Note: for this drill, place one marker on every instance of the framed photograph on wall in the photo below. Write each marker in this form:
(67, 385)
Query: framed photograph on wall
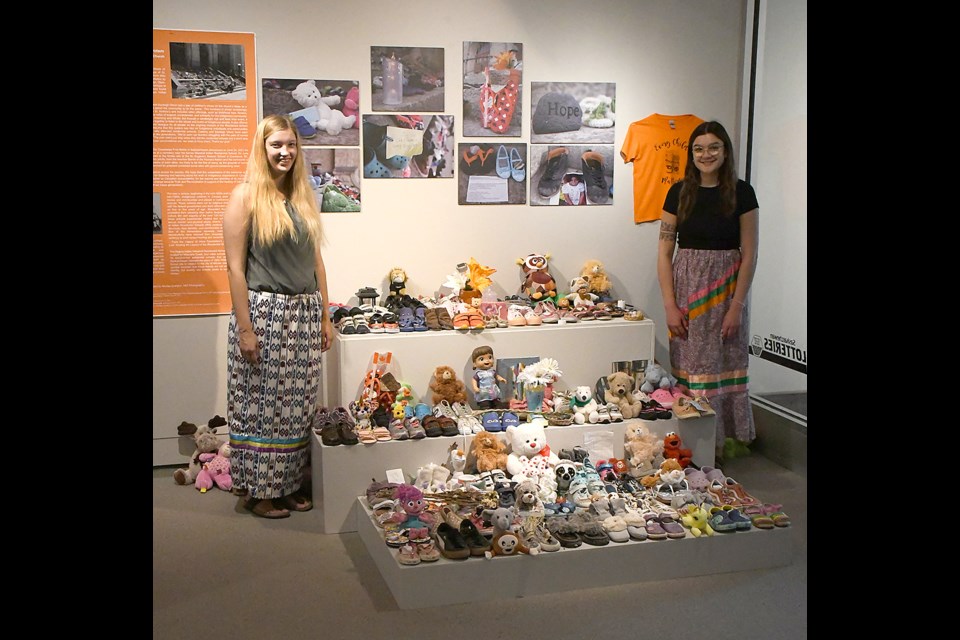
(492, 89)
(408, 145)
(571, 175)
(406, 79)
(573, 112)
(492, 173)
(335, 176)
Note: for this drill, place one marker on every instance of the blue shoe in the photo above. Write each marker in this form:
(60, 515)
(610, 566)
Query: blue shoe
(492, 422)
(305, 129)
(517, 166)
(510, 420)
(503, 162)
(374, 169)
(406, 320)
(421, 411)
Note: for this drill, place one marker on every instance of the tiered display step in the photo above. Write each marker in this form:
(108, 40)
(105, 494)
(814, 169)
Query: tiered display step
(342, 472)
(478, 579)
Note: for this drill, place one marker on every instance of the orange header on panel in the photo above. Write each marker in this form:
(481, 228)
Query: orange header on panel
(204, 116)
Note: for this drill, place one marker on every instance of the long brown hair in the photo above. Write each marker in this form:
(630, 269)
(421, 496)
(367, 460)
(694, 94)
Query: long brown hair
(727, 173)
(268, 215)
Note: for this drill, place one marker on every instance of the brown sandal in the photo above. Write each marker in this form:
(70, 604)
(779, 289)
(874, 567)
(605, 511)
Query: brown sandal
(266, 509)
(296, 501)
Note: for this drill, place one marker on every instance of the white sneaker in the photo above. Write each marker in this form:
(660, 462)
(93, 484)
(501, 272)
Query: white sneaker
(516, 316)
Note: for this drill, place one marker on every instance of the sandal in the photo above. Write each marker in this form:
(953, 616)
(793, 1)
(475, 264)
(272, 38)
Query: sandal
(382, 434)
(361, 325)
(406, 320)
(366, 435)
(296, 501)
(266, 509)
(420, 319)
(407, 554)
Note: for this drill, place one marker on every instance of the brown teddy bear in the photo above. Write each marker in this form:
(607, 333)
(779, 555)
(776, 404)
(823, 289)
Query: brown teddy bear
(487, 452)
(446, 386)
(620, 392)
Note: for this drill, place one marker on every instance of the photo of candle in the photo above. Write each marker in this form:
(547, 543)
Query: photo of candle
(392, 81)
(404, 78)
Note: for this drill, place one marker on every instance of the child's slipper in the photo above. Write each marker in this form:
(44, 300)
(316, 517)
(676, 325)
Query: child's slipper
(776, 514)
(757, 517)
(461, 322)
(367, 436)
(382, 434)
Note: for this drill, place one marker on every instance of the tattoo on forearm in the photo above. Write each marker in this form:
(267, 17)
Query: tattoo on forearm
(668, 232)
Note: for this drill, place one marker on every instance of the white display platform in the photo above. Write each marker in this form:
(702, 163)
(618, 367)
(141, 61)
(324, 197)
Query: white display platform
(584, 350)
(478, 579)
(341, 473)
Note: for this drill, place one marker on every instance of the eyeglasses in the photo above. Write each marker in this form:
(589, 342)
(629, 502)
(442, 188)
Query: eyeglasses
(712, 150)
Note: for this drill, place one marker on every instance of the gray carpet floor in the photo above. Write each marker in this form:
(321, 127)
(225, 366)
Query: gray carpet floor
(219, 571)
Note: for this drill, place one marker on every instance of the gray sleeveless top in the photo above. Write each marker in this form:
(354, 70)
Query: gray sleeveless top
(287, 266)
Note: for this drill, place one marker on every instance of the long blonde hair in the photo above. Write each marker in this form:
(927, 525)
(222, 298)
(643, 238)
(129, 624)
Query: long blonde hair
(268, 215)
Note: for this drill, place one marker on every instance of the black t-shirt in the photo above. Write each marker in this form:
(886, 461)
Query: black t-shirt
(706, 227)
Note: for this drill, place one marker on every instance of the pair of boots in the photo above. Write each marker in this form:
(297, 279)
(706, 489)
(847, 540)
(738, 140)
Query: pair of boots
(432, 478)
(437, 318)
(592, 166)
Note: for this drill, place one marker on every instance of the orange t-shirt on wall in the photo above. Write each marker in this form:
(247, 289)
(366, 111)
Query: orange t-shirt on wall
(657, 147)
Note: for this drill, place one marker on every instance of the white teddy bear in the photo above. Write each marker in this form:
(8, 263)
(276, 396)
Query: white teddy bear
(330, 120)
(584, 406)
(530, 457)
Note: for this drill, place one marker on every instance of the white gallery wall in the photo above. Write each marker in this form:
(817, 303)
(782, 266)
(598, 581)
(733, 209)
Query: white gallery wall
(667, 57)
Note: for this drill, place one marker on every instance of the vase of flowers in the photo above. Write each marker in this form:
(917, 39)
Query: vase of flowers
(535, 378)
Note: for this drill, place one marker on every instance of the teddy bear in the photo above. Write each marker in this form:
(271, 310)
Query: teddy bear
(538, 284)
(527, 498)
(673, 448)
(580, 295)
(487, 452)
(215, 470)
(583, 405)
(670, 474)
(207, 441)
(351, 105)
(620, 392)
(644, 448)
(595, 274)
(656, 377)
(530, 457)
(330, 120)
(446, 386)
(505, 540)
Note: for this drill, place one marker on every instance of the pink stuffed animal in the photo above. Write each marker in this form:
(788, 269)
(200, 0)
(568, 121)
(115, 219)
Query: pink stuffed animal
(215, 470)
(351, 105)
